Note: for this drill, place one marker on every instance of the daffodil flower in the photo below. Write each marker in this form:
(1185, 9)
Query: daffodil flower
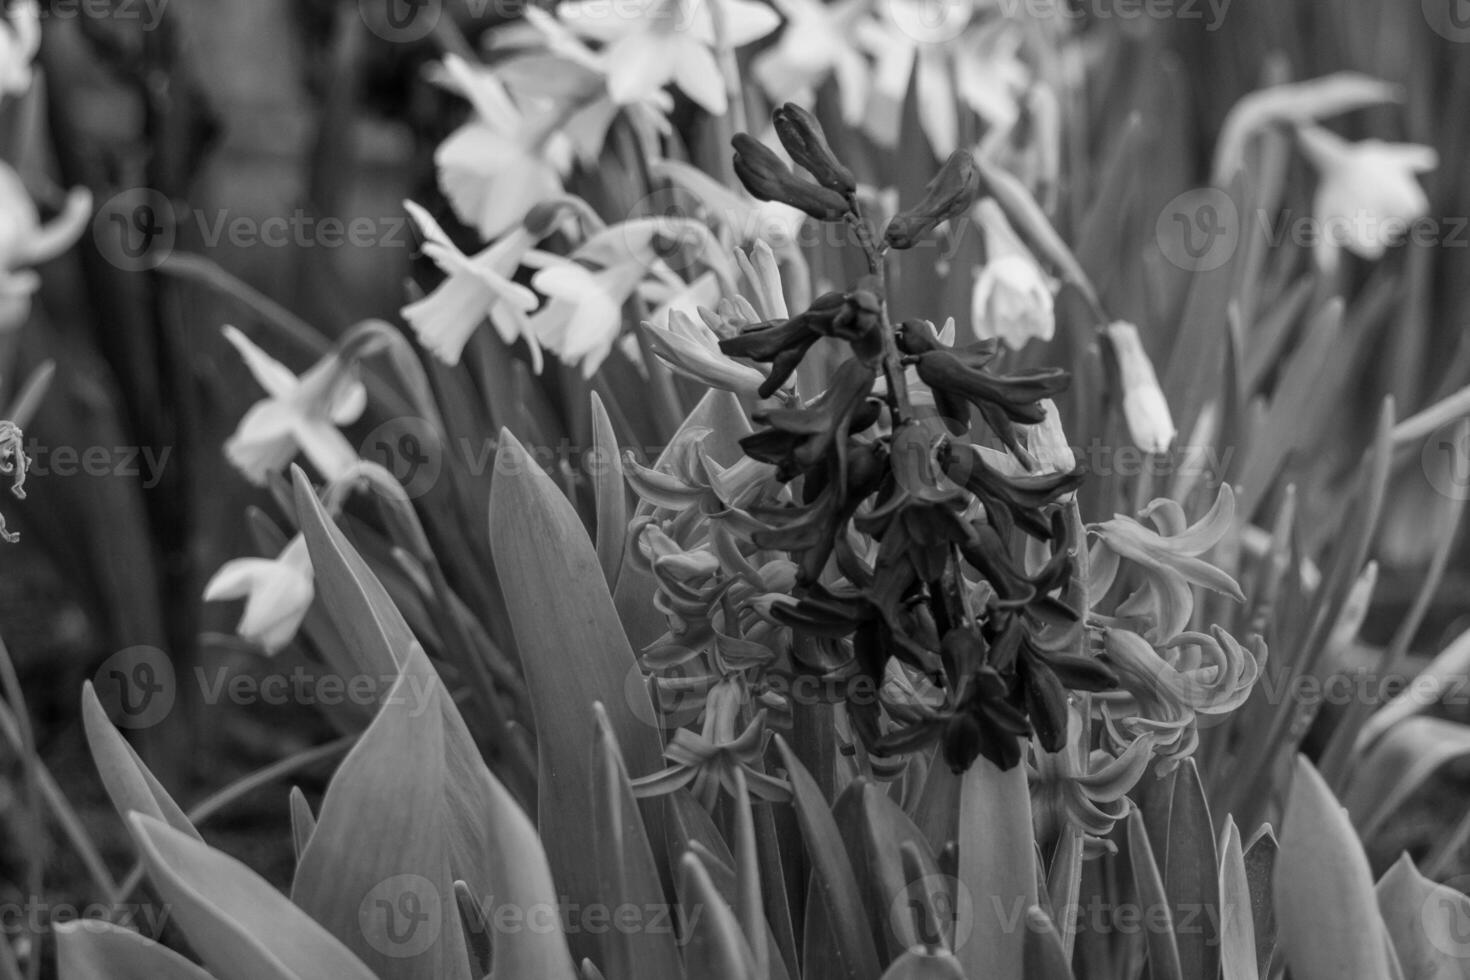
(476, 287)
(505, 160)
(667, 41)
(1012, 298)
(1168, 559)
(1150, 423)
(563, 72)
(1368, 194)
(297, 415)
(583, 317)
(1084, 789)
(818, 42)
(990, 75)
(277, 592)
(25, 242)
(20, 39)
(910, 47)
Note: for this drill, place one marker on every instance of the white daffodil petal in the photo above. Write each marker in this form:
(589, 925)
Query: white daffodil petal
(276, 607)
(237, 578)
(278, 380)
(325, 446)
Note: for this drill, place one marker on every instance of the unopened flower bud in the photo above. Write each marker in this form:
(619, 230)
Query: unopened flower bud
(948, 195)
(768, 178)
(803, 138)
(1150, 424)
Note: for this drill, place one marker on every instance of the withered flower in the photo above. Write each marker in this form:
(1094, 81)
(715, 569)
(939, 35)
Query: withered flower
(767, 178)
(947, 196)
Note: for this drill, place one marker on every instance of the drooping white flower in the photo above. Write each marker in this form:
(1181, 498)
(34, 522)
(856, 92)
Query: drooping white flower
(297, 415)
(505, 160)
(477, 287)
(25, 241)
(1367, 196)
(910, 46)
(1150, 423)
(552, 66)
(654, 43)
(1012, 297)
(20, 39)
(584, 316)
(819, 42)
(277, 592)
(990, 75)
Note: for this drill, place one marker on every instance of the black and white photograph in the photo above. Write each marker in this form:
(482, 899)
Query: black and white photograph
(734, 489)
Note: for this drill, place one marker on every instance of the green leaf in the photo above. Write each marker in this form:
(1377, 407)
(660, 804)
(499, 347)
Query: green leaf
(1260, 873)
(1191, 876)
(99, 950)
(997, 867)
(1329, 922)
(574, 653)
(876, 830)
(611, 495)
(376, 870)
(1399, 763)
(361, 608)
(836, 886)
(923, 963)
(1442, 675)
(242, 928)
(129, 783)
(1064, 884)
(627, 872)
(303, 821)
(493, 846)
(716, 948)
(1428, 923)
(1163, 952)
(1238, 960)
(1045, 956)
